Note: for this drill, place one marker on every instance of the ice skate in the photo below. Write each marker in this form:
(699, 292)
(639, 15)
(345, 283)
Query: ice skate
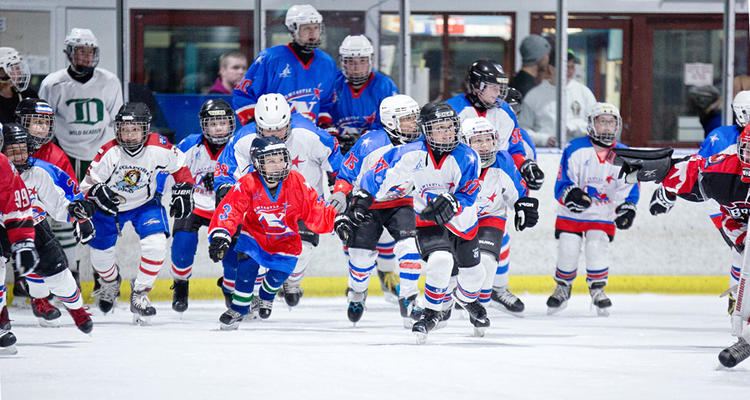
(427, 322)
(599, 299)
(230, 320)
(389, 282)
(7, 342)
(180, 289)
(47, 314)
(4, 319)
(141, 307)
(356, 305)
(477, 316)
(505, 301)
(735, 353)
(446, 313)
(227, 295)
(82, 319)
(559, 299)
(106, 294)
(410, 310)
(264, 308)
(291, 292)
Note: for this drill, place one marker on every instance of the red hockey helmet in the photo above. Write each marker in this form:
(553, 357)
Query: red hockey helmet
(743, 153)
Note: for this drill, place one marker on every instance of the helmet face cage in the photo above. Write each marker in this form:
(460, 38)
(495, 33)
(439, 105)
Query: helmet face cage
(303, 14)
(741, 113)
(15, 145)
(218, 130)
(743, 148)
(605, 138)
(16, 69)
(71, 51)
(40, 128)
(433, 127)
(283, 137)
(261, 158)
(359, 77)
(477, 132)
(123, 129)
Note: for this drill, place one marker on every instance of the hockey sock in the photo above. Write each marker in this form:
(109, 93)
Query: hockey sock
(262, 271)
(303, 261)
(103, 262)
(63, 232)
(37, 287)
(470, 280)
(597, 243)
(489, 263)
(501, 273)
(409, 266)
(3, 288)
(568, 248)
(152, 257)
(386, 260)
(361, 264)
(437, 277)
(229, 264)
(448, 298)
(184, 245)
(247, 270)
(272, 283)
(63, 285)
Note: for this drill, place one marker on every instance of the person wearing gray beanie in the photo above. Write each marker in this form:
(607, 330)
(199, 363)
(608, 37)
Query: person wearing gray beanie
(535, 58)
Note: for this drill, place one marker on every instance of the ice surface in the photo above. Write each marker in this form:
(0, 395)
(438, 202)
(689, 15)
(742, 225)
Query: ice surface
(652, 346)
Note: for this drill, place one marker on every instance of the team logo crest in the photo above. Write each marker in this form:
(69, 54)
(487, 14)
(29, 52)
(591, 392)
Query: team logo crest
(287, 72)
(131, 181)
(272, 221)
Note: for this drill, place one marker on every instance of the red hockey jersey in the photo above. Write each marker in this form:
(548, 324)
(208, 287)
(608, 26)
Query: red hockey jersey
(15, 203)
(272, 221)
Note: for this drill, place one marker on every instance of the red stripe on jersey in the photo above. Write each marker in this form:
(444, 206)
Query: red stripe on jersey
(492, 222)
(104, 149)
(568, 225)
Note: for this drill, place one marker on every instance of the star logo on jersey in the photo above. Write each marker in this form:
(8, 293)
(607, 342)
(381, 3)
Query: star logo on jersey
(370, 119)
(296, 162)
(492, 198)
(610, 179)
(317, 91)
(287, 72)
(714, 138)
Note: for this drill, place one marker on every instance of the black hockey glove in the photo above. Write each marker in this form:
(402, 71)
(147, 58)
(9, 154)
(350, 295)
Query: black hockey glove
(83, 230)
(219, 244)
(81, 209)
(222, 191)
(661, 201)
(182, 200)
(527, 212)
(532, 174)
(359, 209)
(576, 199)
(25, 255)
(208, 181)
(344, 227)
(625, 215)
(440, 209)
(105, 198)
(338, 201)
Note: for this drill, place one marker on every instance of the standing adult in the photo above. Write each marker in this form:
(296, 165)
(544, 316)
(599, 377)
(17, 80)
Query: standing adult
(232, 66)
(535, 58)
(14, 83)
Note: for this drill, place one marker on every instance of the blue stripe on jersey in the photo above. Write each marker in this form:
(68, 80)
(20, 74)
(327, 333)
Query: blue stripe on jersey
(504, 161)
(351, 168)
(59, 177)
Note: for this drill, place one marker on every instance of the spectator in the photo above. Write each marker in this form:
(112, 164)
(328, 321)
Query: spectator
(705, 101)
(232, 66)
(535, 58)
(538, 110)
(14, 82)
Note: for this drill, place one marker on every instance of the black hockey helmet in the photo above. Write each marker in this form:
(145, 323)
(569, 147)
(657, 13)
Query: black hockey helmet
(262, 149)
(37, 117)
(133, 118)
(435, 120)
(514, 98)
(217, 121)
(484, 72)
(15, 145)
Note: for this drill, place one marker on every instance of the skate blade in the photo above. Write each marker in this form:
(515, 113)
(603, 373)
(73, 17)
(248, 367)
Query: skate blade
(230, 327)
(602, 312)
(420, 337)
(9, 351)
(479, 332)
(390, 298)
(408, 323)
(500, 307)
(555, 310)
(440, 325)
(45, 323)
(141, 320)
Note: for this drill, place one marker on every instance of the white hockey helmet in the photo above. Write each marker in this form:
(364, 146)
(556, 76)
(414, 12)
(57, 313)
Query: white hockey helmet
(607, 136)
(399, 115)
(272, 113)
(301, 14)
(741, 107)
(15, 68)
(353, 47)
(481, 136)
(77, 38)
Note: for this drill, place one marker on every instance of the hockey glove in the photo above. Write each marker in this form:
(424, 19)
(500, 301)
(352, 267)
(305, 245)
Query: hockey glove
(532, 174)
(25, 255)
(83, 230)
(81, 209)
(344, 228)
(338, 201)
(359, 210)
(440, 209)
(208, 181)
(105, 198)
(576, 199)
(222, 191)
(661, 201)
(182, 200)
(219, 245)
(625, 215)
(527, 212)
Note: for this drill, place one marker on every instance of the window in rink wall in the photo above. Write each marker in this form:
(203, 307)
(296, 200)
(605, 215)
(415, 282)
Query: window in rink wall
(177, 51)
(338, 25)
(442, 48)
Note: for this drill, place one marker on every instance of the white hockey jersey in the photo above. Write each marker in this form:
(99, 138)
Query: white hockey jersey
(50, 189)
(501, 186)
(312, 152)
(83, 111)
(134, 178)
(596, 175)
(411, 169)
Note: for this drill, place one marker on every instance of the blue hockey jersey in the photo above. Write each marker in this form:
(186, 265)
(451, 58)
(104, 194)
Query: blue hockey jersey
(721, 140)
(306, 87)
(353, 114)
(51, 190)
